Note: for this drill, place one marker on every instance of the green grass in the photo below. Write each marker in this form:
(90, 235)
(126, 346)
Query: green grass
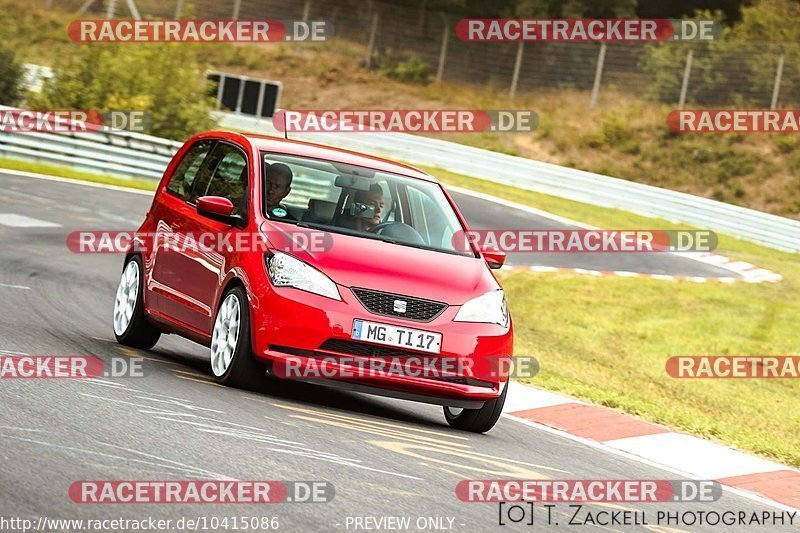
(606, 339)
(66, 172)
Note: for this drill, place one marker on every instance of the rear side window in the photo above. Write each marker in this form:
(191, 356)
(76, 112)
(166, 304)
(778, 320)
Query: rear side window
(183, 179)
(230, 177)
(224, 173)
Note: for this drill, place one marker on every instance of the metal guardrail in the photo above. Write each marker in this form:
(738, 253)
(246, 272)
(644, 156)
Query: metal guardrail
(120, 153)
(135, 155)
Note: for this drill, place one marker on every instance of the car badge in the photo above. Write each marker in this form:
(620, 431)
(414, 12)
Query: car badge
(399, 306)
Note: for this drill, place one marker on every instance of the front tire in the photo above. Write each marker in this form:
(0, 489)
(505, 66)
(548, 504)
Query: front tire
(477, 420)
(131, 327)
(232, 361)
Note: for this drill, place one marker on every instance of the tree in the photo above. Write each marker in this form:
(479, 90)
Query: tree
(165, 80)
(10, 77)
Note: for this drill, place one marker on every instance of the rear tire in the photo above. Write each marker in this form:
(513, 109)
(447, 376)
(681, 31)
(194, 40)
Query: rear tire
(131, 327)
(232, 361)
(477, 420)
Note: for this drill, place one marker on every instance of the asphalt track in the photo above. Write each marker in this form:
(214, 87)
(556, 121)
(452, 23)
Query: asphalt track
(385, 457)
(482, 214)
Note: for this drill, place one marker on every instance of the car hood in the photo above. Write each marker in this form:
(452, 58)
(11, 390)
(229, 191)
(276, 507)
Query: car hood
(363, 262)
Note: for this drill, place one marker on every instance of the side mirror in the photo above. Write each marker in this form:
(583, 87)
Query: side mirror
(217, 208)
(494, 258)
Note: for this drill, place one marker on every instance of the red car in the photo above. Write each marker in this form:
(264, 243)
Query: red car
(309, 262)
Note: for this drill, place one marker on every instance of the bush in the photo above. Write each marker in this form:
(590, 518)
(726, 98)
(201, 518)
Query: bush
(165, 80)
(405, 68)
(10, 77)
(614, 131)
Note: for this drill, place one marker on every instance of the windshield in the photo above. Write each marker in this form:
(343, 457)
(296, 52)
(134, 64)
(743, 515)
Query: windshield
(359, 201)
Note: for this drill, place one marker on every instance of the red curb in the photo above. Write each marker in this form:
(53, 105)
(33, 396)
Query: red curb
(590, 421)
(783, 486)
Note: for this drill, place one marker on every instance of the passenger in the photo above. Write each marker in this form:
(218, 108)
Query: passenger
(278, 185)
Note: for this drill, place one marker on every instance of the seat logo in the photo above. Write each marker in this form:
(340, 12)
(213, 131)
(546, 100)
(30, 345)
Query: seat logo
(399, 306)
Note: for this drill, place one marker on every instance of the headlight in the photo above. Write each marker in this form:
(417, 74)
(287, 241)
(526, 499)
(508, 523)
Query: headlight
(287, 271)
(490, 308)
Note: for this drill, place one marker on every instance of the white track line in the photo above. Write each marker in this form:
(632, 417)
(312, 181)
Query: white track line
(13, 220)
(9, 286)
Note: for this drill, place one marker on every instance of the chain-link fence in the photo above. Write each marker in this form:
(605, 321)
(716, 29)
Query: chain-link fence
(421, 45)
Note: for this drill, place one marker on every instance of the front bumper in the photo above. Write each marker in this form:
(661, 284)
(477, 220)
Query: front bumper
(294, 329)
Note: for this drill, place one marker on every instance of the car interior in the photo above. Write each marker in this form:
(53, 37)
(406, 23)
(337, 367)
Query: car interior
(326, 193)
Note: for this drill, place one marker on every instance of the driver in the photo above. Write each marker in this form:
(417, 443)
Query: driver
(278, 185)
(373, 197)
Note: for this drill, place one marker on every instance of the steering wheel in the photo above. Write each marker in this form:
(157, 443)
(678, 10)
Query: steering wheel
(378, 227)
(400, 231)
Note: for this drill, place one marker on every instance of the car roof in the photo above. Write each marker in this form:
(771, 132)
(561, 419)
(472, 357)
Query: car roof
(268, 143)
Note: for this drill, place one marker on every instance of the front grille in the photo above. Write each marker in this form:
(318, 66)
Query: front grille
(383, 303)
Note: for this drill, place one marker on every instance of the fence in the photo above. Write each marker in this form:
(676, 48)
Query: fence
(720, 73)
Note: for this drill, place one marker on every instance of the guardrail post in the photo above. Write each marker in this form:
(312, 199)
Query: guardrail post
(373, 30)
(443, 51)
(687, 71)
(598, 74)
(776, 89)
(178, 9)
(517, 66)
(237, 5)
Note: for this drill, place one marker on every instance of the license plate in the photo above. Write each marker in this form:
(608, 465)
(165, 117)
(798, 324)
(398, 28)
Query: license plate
(415, 339)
